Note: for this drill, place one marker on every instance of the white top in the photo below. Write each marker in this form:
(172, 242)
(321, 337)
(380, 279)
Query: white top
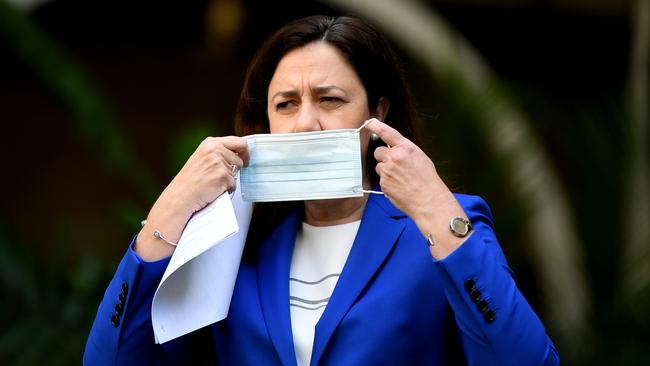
(318, 258)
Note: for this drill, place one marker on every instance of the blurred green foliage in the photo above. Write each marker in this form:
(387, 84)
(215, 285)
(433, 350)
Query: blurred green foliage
(188, 140)
(68, 82)
(45, 311)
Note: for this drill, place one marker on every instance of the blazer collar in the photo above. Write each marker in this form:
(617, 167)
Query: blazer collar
(273, 281)
(378, 232)
(375, 239)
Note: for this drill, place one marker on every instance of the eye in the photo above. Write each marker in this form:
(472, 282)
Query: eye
(283, 106)
(331, 101)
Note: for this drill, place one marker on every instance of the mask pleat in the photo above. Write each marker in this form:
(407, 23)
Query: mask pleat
(302, 166)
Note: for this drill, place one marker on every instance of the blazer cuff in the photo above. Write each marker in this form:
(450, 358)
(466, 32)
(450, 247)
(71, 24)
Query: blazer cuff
(123, 320)
(489, 309)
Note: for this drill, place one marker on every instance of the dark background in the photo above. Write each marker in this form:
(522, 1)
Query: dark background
(102, 102)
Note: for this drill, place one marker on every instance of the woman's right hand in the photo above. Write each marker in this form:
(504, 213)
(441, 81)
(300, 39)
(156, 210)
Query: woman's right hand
(208, 173)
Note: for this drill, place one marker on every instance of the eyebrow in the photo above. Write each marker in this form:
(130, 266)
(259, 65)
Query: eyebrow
(316, 90)
(286, 94)
(326, 88)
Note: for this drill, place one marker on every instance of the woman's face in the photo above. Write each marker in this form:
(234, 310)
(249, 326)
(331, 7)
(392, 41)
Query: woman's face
(314, 88)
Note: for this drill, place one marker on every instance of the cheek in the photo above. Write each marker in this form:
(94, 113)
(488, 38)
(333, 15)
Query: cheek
(279, 125)
(349, 116)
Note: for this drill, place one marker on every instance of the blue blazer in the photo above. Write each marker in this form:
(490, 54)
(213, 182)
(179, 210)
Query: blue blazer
(393, 304)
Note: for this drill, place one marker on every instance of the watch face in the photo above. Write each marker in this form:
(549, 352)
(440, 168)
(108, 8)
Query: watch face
(459, 226)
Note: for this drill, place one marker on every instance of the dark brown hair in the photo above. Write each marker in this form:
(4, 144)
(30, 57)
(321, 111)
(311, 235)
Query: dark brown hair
(369, 54)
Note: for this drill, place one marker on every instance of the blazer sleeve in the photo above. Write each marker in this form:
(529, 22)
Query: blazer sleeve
(122, 333)
(497, 325)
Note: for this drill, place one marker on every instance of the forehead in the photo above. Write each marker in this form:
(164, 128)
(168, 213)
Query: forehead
(314, 64)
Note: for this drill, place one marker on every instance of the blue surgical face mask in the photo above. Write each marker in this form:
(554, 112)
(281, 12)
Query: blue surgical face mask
(303, 166)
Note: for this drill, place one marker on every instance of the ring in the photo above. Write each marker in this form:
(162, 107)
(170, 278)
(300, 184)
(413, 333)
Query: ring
(234, 171)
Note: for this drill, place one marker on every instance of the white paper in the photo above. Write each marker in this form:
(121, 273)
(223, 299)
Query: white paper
(197, 286)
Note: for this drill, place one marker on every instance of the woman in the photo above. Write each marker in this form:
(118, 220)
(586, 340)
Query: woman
(398, 278)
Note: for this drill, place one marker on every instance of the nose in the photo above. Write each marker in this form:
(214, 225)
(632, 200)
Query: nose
(307, 119)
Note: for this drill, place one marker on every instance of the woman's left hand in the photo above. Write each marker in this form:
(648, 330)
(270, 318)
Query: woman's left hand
(408, 177)
(410, 181)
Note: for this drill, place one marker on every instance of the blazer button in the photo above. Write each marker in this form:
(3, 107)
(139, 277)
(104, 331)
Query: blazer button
(115, 320)
(482, 306)
(475, 295)
(119, 308)
(469, 285)
(122, 298)
(489, 316)
(125, 288)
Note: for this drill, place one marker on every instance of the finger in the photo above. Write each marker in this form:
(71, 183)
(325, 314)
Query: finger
(381, 153)
(379, 168)
(231, 158)
(386, 133)
(238, 146)
(234, 143)
(232, 185)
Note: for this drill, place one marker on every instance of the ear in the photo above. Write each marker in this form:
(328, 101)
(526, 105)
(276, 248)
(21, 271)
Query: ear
(382, 109)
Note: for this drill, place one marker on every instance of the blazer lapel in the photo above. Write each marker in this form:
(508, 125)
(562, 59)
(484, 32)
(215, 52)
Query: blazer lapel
(377, 235)
(273, 282)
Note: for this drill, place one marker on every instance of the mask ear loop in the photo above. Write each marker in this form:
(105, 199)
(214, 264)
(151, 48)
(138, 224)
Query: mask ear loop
(360, 189)
(374, 136)
(368, 191)
(363, 125)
